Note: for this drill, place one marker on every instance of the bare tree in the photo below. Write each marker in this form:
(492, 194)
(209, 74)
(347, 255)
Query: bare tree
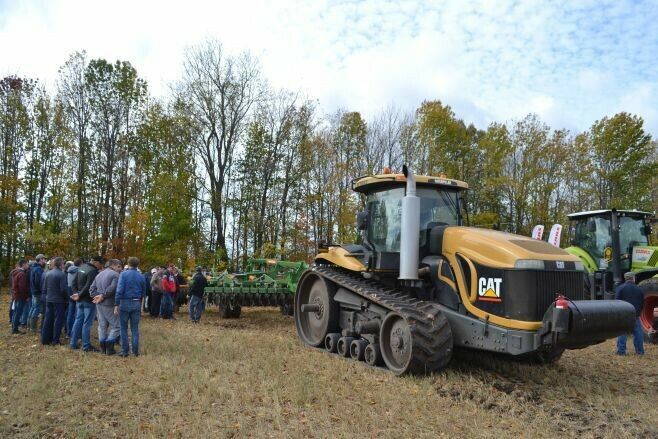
(72, 93)
(221, 91)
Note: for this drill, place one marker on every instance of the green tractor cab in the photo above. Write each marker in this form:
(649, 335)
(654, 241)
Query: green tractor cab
(613, 242)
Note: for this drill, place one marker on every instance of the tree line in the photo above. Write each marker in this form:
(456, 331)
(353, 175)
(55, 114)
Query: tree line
(226, 167)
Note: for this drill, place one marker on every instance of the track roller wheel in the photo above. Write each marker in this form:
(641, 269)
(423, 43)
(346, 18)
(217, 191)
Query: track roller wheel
(357, 349)
(419, 347)
(373, 355)
(331, 342)
(343, 346)
(316, 312)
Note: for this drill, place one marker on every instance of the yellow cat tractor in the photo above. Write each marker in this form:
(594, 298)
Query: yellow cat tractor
(421, 284)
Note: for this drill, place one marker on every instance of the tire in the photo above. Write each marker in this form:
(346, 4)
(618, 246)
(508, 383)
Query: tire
(229, 312)
(650, 289)
(313, 327)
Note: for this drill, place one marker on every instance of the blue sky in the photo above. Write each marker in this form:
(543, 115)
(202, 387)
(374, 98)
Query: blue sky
(570, 62)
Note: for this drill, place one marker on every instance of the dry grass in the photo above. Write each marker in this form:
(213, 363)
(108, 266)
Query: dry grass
(252, 378)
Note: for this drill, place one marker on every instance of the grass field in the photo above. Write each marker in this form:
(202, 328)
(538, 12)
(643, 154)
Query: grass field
(252, 378)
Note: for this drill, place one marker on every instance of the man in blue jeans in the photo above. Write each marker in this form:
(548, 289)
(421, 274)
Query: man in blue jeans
(128, 300)
(56, 291)
(631, 293)
(20, 291)
(196, 304)
(85, 311)
(36, 272)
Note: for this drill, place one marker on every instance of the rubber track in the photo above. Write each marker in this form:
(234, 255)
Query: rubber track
(430, 330)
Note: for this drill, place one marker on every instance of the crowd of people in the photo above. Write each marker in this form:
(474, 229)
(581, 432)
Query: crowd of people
(70, 296)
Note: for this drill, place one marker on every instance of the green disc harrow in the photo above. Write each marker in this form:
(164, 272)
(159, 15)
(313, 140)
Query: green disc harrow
(265, 282)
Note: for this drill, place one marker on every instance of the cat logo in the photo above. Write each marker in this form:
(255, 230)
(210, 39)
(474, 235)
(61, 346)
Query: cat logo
(489, 289)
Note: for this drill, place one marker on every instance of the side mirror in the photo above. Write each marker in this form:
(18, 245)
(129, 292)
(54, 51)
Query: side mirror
(362, 220)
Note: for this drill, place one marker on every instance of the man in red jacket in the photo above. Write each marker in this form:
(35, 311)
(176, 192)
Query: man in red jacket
(20, 291)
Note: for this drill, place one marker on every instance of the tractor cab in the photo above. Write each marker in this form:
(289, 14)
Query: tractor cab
(592, 232)
(439, 204)
(611, 243)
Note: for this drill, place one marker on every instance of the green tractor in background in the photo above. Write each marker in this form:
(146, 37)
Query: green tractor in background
(611, 243)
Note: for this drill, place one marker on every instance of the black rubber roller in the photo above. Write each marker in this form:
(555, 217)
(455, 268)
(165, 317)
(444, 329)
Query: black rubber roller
(331, 342)
(344, 346)
(373, 355)
(358, 349)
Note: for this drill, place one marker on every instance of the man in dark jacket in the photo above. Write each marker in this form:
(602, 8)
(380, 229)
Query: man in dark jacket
(85, 311)
(36, 272)
(631, 293)
(57, 298)
(20, 291)
(196, 304)
(128, 299)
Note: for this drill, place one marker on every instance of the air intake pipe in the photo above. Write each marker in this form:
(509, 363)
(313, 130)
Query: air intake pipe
(410, 229)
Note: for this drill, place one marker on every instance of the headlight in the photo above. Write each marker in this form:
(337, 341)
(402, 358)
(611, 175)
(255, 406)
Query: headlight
(529, 264)
(579, 265)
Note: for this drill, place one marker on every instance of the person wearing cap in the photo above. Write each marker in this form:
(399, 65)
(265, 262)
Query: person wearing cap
(631, 293)
(55, 290)
(20, 291)
(85, 309)
(128, 303)
(36, 273)
(196, 304)
(102, 291)
(156, 292)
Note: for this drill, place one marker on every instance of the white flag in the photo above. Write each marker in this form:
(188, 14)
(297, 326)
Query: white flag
(554, 236)
(538, 232)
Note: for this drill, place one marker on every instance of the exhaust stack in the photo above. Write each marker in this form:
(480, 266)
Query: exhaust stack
(409, 229)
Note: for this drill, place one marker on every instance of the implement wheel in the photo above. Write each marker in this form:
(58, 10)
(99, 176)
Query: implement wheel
(316, 312)
(229, 311)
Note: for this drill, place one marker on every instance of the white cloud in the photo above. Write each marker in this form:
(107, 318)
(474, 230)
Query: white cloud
(570, 63)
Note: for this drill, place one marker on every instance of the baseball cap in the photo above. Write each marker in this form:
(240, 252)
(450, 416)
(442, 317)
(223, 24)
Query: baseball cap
(629, 275)
(40, 256)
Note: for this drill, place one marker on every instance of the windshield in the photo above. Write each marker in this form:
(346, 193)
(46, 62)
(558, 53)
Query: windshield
(593, 235)
(437, 207)
(632, 232)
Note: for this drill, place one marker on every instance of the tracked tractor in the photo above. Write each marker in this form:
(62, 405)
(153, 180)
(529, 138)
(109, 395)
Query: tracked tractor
(421, 284)
(610, 243)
